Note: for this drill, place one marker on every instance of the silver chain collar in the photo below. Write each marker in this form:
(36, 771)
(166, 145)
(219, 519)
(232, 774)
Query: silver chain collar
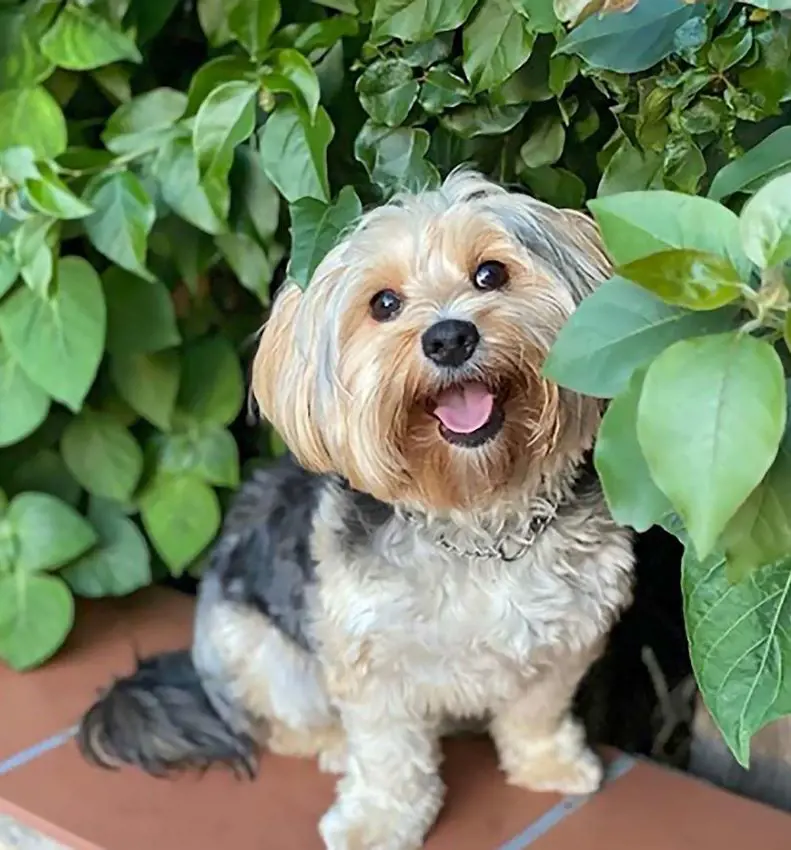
(510, 548)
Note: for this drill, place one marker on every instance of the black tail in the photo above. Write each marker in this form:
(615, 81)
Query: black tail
(160, 719)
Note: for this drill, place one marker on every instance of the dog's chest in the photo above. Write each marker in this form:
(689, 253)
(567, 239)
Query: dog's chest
(458, 634)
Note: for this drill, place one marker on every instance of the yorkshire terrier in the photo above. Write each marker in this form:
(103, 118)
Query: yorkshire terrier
(432, 551)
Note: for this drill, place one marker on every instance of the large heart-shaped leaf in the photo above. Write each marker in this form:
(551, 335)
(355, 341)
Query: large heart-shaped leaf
(36, 616)
(212, 386)
(58, 340)
(102, 455)
(122, 220)
(119, 564)
(703, 452)
(48, 532)
(181, 515)
(149, 384)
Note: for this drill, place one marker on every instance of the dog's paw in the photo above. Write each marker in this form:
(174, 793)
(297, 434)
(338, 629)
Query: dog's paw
(365, 830)
(581, 775)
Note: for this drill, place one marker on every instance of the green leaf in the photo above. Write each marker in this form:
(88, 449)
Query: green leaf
(122, 219)
(637, 224)
(9, 269)
(470, 122)
(207, 452)
(696, 280)
(36, 616)
(80, 40)
(221, 69)
(441, 90)
(149, 384)
(387, 91)
(556, 186)
(252, 22)
(32, 119)
(619, 329)
(225, 119)
(544, 145)
(632, 496)
(740, 646)
(418, 20)
(633, 42)
(25, 405)
(396, 159)
(204, 204)
(293, 74)
(316, 228)
(114, 81)
(766, 223)
(213, 16)
(133, 304)
(21, 60)
(294, 153)
(59, 340)
(145, 123)
(703, 452)
(767, 159)
(630, 169)
(119, 565)
(760, 531)
(102, 455)
(259, 197)
(181, 516)
(496, 44)
(50, 196)
(49, 533)
(212, 387)
(248, 261)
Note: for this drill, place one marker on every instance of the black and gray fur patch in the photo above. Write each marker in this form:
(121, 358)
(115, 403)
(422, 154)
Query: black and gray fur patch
(263, 557)
(363, 516)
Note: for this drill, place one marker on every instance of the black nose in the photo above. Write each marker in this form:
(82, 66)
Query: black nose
(450, 342)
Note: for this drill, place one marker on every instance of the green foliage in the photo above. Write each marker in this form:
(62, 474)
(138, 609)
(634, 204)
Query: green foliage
(158, 159)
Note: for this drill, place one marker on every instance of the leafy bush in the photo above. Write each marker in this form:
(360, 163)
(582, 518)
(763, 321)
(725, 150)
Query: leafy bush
(157, 157)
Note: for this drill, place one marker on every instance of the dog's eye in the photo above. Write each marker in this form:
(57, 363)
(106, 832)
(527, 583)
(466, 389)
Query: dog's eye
(490, 275)
(385, 305)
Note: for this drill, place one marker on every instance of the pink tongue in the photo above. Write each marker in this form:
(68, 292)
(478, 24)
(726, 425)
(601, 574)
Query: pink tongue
(464, 409)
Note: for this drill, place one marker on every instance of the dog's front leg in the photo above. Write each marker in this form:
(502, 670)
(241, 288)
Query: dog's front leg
(541, 745)
(392, 792)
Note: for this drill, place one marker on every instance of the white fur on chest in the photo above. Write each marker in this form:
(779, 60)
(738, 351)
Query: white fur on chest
(461, 634)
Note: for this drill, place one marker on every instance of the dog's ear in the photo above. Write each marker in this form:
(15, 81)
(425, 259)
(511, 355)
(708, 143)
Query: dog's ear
(284, 377)
(566, 240)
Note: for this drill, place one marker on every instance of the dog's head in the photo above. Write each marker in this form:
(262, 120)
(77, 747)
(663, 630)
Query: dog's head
(411, 365)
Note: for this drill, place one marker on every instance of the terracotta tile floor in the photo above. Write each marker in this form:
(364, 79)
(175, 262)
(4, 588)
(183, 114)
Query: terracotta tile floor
(45, 786)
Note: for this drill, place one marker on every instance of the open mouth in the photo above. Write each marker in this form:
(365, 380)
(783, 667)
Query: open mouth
(469, 414)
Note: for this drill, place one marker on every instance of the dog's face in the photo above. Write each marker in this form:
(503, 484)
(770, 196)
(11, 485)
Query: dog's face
(412, 363)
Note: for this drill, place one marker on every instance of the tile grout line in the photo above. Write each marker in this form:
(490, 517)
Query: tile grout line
(27, 755)
(567, 806)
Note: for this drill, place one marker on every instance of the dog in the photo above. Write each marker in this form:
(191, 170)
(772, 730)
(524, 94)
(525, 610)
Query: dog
(433, 550)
